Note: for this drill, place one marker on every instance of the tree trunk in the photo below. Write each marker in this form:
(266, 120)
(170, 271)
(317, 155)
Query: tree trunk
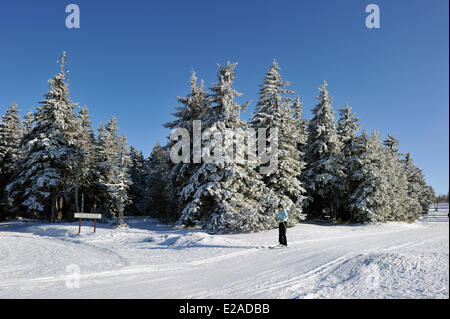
(60, 206)
(52, 217)
(76, 193)
(120, 210)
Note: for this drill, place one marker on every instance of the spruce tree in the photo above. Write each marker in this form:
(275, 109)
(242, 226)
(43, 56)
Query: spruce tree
(28, 122)
(429, 199)
(11, 132)
(301, 135)
(275, 110)
(194, 107)
(347, 128)
(137, 189)
(113, 163)
(122, 180)
(84, 160)
(399, 203)
(105, 150)
(155, 196)
(369, 194)
(47, 157)
(324, 172)
(223, 195)
(418, 190)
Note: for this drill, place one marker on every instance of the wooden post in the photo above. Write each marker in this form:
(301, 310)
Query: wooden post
(88, 216)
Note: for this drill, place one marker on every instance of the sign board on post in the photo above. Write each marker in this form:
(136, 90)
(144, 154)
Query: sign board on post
(87, 216)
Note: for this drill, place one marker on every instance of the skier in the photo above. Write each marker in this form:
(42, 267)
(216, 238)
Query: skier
(282, 218)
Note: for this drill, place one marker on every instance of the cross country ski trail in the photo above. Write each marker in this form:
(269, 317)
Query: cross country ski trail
(151, 260)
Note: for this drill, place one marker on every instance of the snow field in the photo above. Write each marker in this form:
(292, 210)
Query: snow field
(152, 260)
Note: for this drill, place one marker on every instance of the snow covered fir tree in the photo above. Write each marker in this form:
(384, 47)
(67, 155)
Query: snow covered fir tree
(53, 163)
(277, 111)
(225, 195)
(324, 176)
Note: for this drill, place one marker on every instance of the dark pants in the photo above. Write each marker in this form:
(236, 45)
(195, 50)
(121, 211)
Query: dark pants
(282, 233)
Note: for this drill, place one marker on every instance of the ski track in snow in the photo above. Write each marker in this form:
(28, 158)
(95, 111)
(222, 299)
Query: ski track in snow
(319, 273)
(150, 260)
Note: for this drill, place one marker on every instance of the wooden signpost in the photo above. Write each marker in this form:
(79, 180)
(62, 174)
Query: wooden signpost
(87, 216)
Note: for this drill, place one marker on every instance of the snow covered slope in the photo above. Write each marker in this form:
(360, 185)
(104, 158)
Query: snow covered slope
(151, 260)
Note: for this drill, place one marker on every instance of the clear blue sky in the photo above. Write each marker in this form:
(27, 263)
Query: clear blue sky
(130, 59)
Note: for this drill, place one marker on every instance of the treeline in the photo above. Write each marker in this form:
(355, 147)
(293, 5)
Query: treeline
(325, 169)
(52, 164)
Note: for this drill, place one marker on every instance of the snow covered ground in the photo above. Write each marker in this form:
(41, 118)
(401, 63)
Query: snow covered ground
(152, 260)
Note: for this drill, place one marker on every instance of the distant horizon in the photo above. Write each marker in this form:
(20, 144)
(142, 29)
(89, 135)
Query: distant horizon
(131, 61)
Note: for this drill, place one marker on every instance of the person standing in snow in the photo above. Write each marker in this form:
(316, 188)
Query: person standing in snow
(282, 219)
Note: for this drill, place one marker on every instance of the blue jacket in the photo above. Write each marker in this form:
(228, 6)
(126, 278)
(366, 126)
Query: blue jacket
(282, 215)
